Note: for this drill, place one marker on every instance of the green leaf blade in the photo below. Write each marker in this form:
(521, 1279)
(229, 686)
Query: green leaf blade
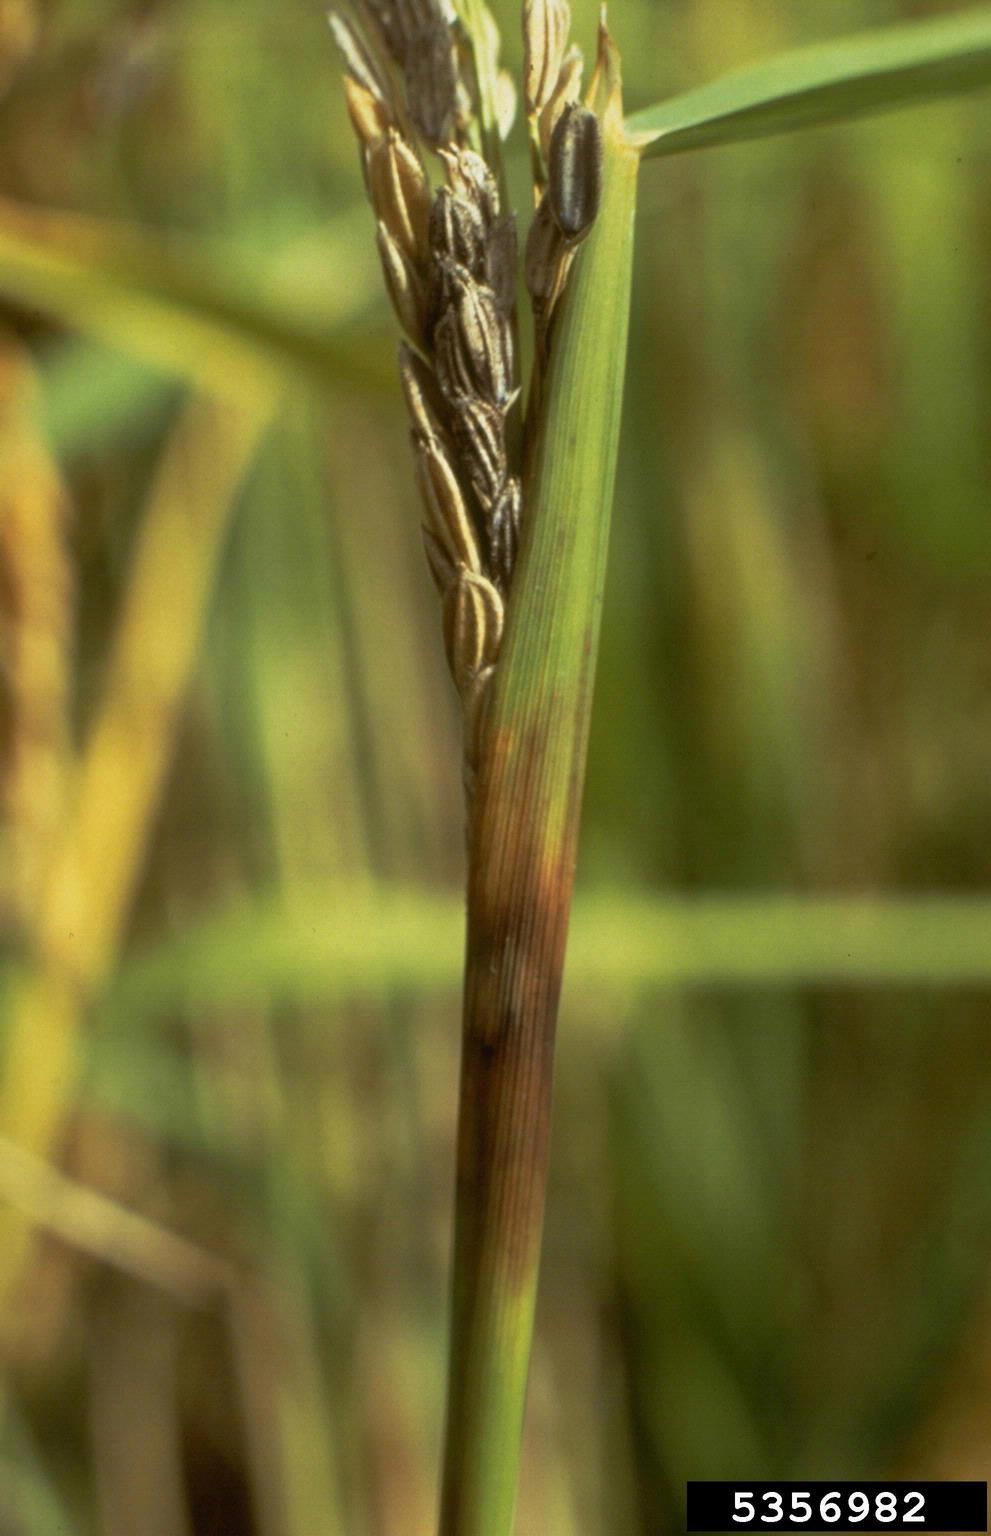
(877, 71)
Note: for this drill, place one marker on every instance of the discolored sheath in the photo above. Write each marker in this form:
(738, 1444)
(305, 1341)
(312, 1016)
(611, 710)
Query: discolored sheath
(522, 858)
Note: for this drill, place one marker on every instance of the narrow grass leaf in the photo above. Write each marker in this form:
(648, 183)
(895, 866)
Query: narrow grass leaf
(115, 788)
(177, 308)
(333, 944)
(829, 83)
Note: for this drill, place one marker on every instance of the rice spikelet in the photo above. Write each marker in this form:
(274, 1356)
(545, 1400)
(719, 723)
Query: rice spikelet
(450, 263)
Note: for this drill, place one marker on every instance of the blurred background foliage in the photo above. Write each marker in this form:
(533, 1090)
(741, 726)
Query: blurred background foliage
(232, 844)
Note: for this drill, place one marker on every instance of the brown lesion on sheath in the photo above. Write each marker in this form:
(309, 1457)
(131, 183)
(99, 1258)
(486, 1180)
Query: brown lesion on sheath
(519, 904)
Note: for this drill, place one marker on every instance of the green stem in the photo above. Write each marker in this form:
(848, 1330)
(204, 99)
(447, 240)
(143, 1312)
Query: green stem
(527, 808)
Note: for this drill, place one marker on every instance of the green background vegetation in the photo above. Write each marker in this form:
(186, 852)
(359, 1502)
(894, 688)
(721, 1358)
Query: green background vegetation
(769, 1221)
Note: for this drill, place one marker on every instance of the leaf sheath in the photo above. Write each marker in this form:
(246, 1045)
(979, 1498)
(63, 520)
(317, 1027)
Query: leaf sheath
(522, 864)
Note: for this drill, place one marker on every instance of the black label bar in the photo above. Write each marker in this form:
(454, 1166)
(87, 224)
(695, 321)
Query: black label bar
(824, 1507)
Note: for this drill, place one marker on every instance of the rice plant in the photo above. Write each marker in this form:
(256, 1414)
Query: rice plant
(516, 498)
(226, 1061)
